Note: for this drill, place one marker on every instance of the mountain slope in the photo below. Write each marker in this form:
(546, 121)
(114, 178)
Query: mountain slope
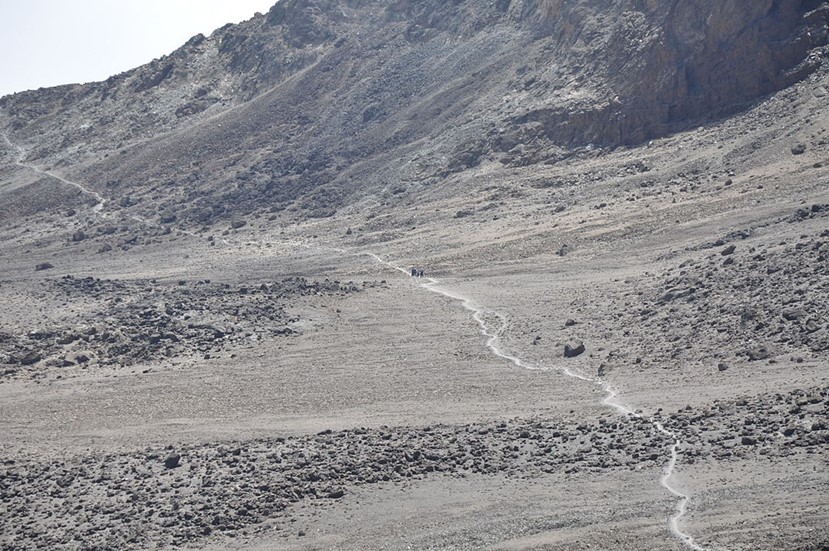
(316, 104)
(209, 336)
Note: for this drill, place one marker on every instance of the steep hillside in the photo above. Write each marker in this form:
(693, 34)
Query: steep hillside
(318, 104)
(211, 335)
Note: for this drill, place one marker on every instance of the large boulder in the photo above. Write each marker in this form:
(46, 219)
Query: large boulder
(172, 461)
(573, 348)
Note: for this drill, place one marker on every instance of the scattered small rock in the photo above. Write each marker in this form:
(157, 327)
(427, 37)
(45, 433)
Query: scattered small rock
(792, 314)
(759, 352)
(31, 358)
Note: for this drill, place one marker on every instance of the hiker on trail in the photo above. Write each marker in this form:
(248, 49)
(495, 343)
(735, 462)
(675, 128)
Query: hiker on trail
(414, 271)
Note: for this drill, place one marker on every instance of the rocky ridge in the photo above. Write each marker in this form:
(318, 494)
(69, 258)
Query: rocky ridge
(746, 299)
(142, 322)
(188, 494)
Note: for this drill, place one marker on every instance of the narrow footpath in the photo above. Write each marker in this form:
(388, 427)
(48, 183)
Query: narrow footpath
(21, 156)
(493, 343)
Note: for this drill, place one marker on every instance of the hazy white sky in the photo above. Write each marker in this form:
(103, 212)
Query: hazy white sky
(51, 42)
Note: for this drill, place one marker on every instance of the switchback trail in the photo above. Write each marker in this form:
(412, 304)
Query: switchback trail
(97, 208)
(493, 342)
(21, 155)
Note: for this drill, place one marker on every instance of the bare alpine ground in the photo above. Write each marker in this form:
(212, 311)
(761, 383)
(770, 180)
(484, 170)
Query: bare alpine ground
(206, 340)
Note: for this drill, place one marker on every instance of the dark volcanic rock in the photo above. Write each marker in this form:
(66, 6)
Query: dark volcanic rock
(769, 301)
(30, 358)
(172, 461)
(43, 266)
(235, 486)
(792, 314)
(573, 349)
(154, 320)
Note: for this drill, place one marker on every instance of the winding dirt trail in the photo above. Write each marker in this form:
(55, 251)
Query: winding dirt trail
(99, 206)
(493, 342)
(21, 155)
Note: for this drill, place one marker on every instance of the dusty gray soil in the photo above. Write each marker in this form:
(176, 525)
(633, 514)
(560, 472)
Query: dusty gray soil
(264, 379)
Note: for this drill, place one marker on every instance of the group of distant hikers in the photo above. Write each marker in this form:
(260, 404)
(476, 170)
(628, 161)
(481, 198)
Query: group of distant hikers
(418, 271)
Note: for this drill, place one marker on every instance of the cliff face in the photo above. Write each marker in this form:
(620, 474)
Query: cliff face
(315, 92)
(653, 65)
